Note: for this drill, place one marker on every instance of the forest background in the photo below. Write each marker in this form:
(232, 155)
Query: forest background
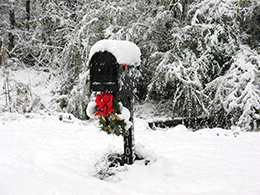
(200, 59)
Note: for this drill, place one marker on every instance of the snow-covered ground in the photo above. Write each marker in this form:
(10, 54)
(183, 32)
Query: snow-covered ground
(41, 155)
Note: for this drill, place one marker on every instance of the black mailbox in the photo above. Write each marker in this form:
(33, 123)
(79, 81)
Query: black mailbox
(103, 72)
(111, 70)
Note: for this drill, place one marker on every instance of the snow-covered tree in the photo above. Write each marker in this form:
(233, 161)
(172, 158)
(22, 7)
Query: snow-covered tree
(238, 91)
(195, 54)
(201, 53)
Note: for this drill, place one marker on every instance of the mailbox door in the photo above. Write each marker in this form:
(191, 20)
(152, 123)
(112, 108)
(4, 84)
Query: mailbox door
(104, 72)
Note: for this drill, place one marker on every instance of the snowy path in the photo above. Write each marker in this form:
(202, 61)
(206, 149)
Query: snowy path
(43, 156)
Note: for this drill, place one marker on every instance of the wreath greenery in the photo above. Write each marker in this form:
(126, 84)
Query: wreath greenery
(108, 109)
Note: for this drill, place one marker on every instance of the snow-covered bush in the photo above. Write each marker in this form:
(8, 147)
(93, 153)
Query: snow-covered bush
(204, 52)
(79, 97)
(16, 95)
(198, 53)
(249, 18)
(238, 91)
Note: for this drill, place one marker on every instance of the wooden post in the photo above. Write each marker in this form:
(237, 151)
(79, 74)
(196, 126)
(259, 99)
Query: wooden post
(126, 98)
(125, 95)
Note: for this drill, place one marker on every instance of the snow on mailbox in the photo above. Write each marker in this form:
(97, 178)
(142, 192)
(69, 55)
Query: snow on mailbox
(107, 58)
(112, 72)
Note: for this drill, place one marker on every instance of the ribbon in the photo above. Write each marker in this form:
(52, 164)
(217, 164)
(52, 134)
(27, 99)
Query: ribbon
(104, 101)
(116, 117)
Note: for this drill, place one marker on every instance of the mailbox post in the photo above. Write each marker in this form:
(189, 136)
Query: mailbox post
(111, 64)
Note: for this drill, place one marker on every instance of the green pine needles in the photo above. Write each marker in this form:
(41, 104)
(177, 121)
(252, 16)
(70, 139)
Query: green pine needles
(113, 124)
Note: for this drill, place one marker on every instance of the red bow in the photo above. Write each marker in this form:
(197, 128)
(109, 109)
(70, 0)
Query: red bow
(104, 103)
(124, 65)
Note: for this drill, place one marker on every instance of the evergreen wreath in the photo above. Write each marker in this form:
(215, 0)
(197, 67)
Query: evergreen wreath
(108, 109)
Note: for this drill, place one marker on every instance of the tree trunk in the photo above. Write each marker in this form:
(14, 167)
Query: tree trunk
(1, 54)
(12, 24)
(184, 8)
(27, 14)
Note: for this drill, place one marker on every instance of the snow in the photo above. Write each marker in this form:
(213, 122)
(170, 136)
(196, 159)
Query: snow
(125, 52)
(125, 115)
(42, 155)
(59, 154)
(91, 109)
(39, 84)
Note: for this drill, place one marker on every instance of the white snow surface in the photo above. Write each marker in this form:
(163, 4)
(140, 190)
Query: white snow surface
(42, 155)
(124, 51)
